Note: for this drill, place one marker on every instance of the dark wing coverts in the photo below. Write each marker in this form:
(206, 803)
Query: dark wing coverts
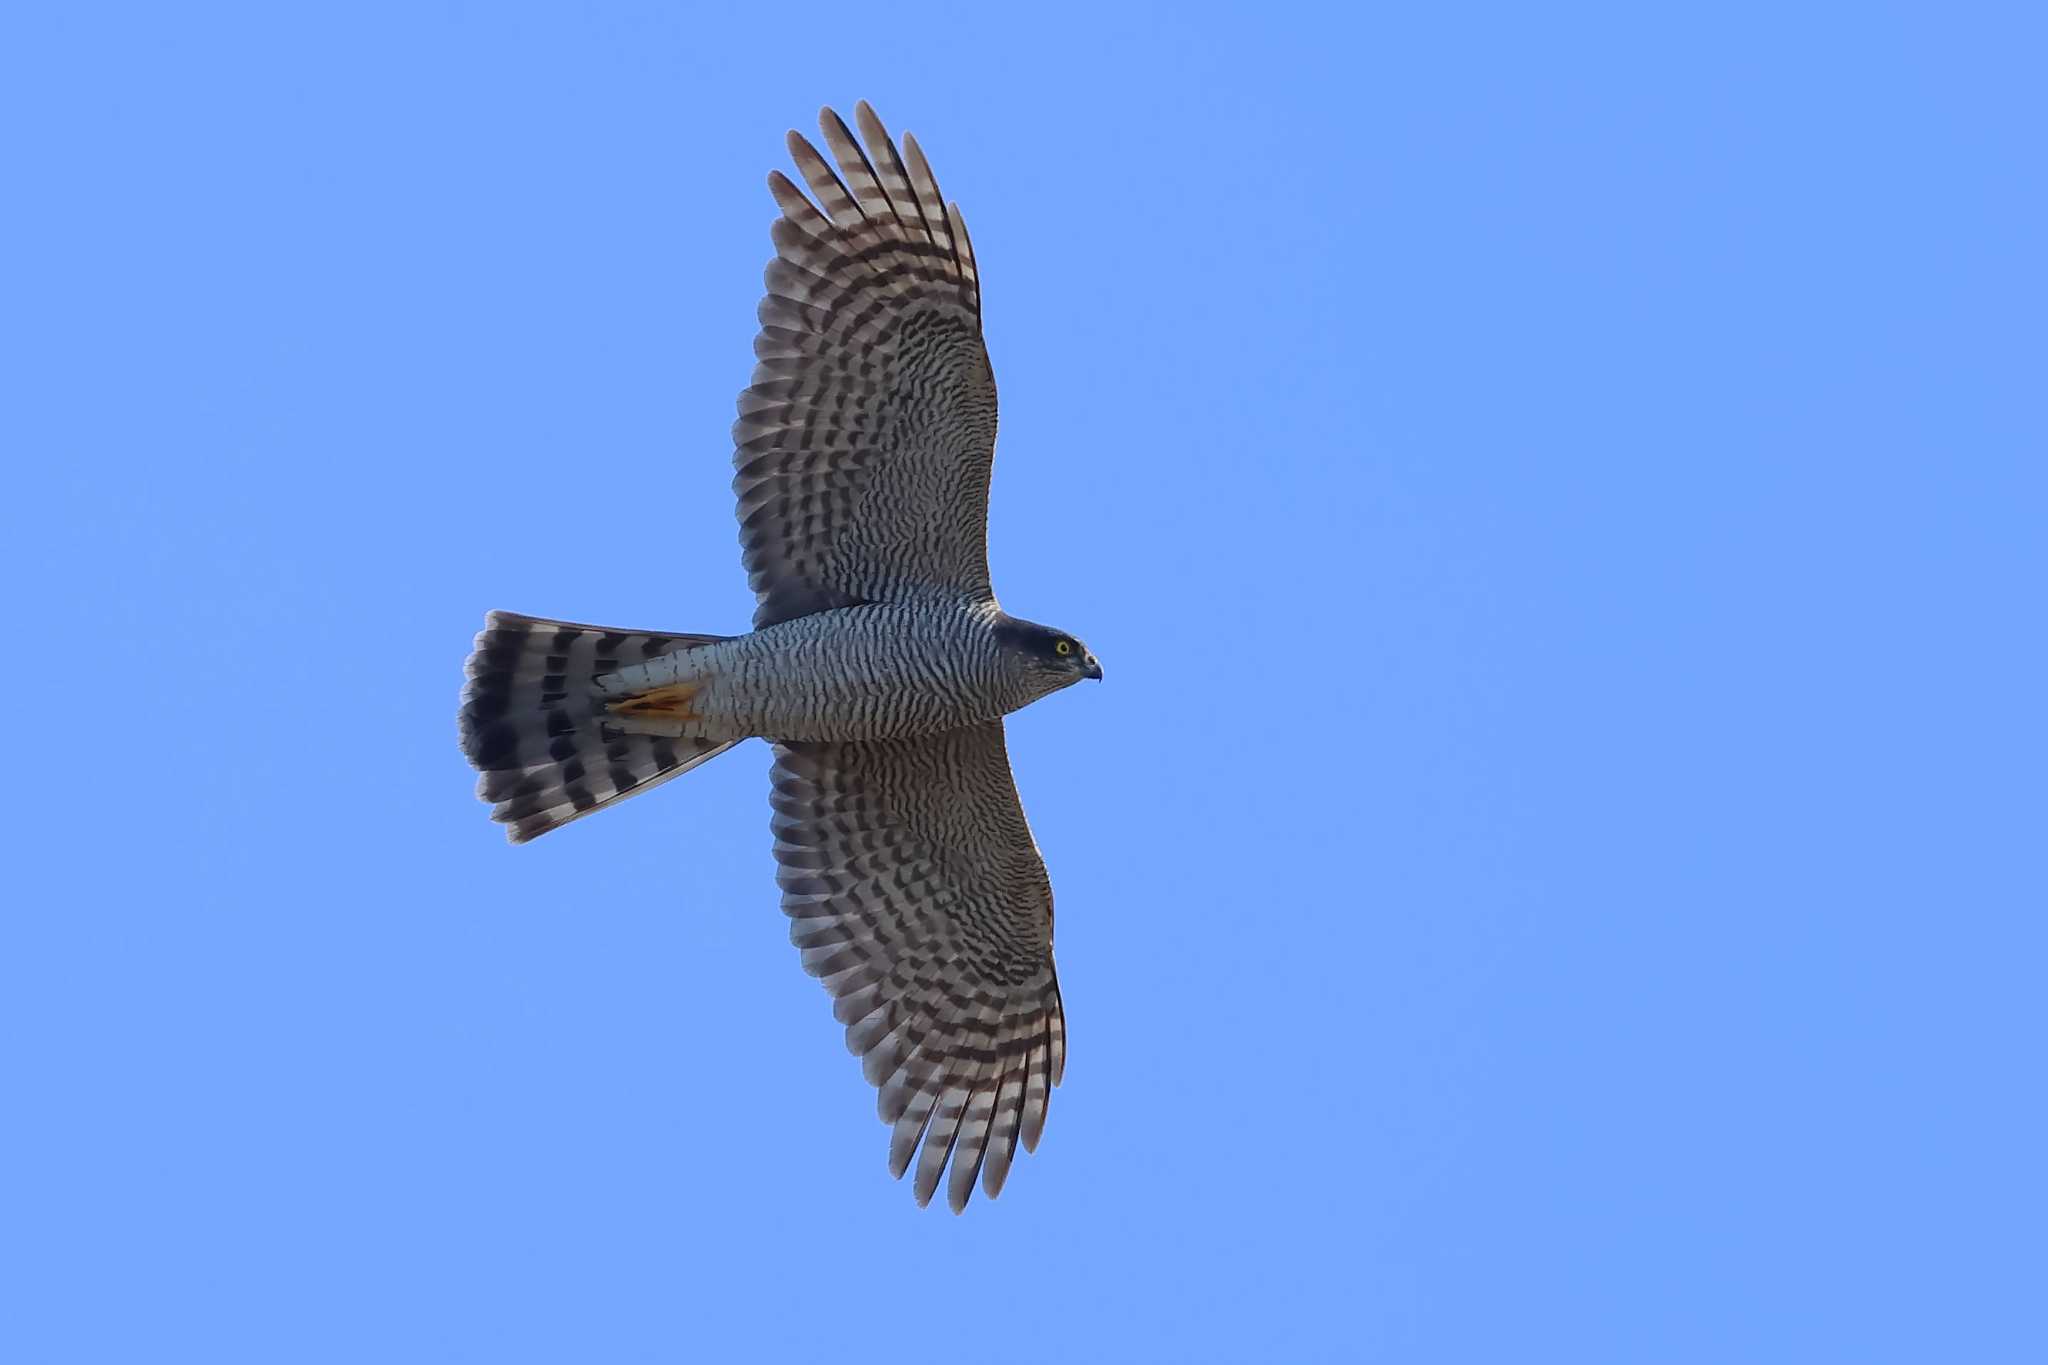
(864, 445)
(917, 895)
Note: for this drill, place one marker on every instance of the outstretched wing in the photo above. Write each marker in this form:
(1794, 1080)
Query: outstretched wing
(864, 445)
(918, 897)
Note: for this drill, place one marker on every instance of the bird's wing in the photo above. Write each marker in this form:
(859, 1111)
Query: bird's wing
(863, 447)
(917, 895)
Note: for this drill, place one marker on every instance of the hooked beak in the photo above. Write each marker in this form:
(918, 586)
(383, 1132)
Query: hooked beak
(1093, 669)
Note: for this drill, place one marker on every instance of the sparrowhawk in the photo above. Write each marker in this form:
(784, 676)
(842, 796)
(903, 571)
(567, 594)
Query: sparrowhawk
(879, 667)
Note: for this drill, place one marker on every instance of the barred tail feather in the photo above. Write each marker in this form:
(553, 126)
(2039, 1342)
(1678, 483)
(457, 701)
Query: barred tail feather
(534, 723)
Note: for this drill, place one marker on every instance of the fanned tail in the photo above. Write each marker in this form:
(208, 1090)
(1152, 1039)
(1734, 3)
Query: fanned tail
(536, 726)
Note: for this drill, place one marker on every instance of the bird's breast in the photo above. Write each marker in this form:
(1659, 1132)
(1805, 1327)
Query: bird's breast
(877, 671)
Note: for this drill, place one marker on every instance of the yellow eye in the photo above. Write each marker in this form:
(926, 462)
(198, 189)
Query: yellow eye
(1064, 647)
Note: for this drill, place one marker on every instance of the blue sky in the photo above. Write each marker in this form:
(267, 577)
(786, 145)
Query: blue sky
(1554, 872)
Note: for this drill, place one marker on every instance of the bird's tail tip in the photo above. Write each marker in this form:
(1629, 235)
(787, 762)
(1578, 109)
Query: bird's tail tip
(541, 734)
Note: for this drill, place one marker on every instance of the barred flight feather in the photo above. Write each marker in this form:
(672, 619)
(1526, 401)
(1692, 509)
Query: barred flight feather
(862, 451)
(917, 896)
(532, 722)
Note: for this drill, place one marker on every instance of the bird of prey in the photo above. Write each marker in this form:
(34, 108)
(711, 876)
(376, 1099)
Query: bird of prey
(880, 667)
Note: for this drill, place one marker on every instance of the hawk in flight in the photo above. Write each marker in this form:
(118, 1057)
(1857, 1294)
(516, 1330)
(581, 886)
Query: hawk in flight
(880, 667)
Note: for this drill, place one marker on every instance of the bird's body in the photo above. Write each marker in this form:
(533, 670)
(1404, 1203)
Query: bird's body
(879, 667)
(882, 670)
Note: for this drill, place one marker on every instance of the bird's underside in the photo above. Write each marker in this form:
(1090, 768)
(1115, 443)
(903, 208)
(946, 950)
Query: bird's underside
(879, 669)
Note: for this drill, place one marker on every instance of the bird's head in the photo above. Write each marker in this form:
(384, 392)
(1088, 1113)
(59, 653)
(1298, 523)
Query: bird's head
(1048, 659)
